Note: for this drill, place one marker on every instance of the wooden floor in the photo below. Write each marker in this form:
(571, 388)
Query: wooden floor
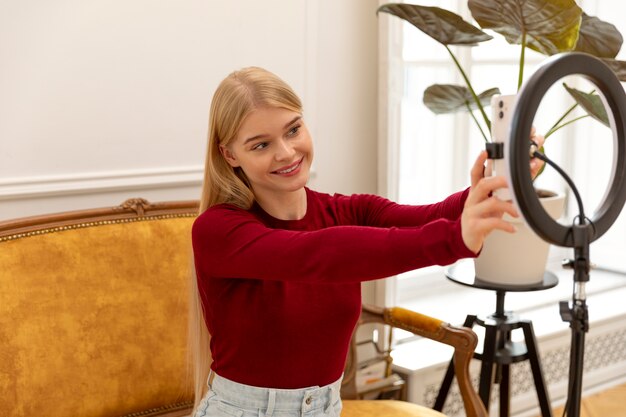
(609, 403)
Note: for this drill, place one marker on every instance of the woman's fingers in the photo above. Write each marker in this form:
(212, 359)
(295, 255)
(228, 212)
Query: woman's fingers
(494, 207)
(480, 220)
(535, 167)
(486, 226)
(534, 137)
(536, 164)
(478, 169)
(483, 211)
(484, 188)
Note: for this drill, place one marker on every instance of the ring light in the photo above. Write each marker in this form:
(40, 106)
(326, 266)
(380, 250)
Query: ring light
(528, 101)
(577, 236)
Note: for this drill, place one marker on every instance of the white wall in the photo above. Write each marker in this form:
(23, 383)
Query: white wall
(106, 100)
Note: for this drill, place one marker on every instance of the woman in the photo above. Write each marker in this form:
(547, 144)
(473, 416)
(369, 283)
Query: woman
(279, 266)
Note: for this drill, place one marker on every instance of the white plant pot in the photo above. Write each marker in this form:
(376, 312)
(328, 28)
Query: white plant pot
(519, 258)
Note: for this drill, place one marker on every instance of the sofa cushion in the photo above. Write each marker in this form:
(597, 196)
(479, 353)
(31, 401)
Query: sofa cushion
(93, 318)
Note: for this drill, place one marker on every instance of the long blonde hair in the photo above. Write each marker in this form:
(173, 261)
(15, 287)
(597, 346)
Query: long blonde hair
(236, 97)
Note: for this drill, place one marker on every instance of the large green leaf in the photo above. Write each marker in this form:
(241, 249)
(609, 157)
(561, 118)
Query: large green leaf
(618, 67)
(442, 25)
(547, 26)
(592, 103)
(598, 38)
(449, 98)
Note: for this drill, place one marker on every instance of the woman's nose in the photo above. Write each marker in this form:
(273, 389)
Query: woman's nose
(285, 151)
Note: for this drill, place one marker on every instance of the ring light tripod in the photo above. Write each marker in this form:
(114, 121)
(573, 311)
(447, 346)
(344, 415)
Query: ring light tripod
(585, 230)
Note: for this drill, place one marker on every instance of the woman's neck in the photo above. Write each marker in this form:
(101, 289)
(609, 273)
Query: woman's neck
(284, 206)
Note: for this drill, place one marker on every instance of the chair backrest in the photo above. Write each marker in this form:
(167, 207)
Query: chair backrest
(462, 339)
(93, 312)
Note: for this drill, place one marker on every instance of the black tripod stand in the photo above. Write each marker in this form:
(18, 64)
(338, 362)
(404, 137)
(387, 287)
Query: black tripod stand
(499, 351)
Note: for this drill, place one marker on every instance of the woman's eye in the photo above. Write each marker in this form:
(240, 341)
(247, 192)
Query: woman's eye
(294, 131)
(260, 145)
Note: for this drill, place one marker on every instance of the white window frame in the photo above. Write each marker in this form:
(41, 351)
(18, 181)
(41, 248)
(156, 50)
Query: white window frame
(392, 66)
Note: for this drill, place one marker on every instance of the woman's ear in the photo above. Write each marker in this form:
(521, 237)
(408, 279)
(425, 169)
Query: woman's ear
(229, 156)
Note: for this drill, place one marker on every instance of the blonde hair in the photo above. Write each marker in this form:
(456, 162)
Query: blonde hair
(234, 99)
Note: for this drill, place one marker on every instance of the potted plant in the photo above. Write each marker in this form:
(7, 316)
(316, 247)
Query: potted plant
(545, 26)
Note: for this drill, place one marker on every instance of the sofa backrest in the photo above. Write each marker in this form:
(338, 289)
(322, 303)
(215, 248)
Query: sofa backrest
(93, 312)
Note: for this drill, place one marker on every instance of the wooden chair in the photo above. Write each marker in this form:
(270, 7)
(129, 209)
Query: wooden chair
(369, 368)
(462, 339)
(93, 317)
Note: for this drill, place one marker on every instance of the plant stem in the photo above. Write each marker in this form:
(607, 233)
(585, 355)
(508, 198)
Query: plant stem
(554, 126)
(482, 132)
(520, 77)
(563, 125)
(471, 89)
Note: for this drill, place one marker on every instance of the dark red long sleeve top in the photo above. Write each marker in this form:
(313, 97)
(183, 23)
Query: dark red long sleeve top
(281, 298)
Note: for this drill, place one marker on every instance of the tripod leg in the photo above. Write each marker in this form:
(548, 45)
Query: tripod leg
(447, 380)
(504, 371)
(505, 391)
(486, 369)
(445, 388)
(535, 365)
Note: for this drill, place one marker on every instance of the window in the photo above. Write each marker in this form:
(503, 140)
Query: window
(429, 156)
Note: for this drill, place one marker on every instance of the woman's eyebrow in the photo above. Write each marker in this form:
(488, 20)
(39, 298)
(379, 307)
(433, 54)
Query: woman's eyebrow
(255, 138)
(295, 119)
(262, 135)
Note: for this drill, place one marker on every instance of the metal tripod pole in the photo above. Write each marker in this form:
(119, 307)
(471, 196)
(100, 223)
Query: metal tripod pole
(578, 317)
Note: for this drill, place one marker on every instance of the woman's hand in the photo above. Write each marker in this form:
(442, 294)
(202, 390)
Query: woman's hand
(536, 164)
(483, 211)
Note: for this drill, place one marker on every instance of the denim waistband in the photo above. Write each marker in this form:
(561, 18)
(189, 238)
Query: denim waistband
(270, 399)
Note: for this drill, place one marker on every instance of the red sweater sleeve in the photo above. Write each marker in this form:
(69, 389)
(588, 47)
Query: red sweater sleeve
(377, 211)
(232, 243)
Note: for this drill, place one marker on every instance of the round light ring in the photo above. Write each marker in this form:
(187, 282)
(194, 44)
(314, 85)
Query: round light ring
(528, 101)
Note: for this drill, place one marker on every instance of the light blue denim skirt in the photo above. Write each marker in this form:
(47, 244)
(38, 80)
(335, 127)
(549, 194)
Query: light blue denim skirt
(226, 398)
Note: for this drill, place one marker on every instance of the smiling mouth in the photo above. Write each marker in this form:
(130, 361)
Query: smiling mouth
(289, 169)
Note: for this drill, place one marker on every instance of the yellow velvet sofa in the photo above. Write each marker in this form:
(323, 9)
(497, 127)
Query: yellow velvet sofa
(93, 317)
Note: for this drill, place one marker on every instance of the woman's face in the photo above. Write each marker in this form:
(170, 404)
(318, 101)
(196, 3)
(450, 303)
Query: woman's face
(274, 149)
